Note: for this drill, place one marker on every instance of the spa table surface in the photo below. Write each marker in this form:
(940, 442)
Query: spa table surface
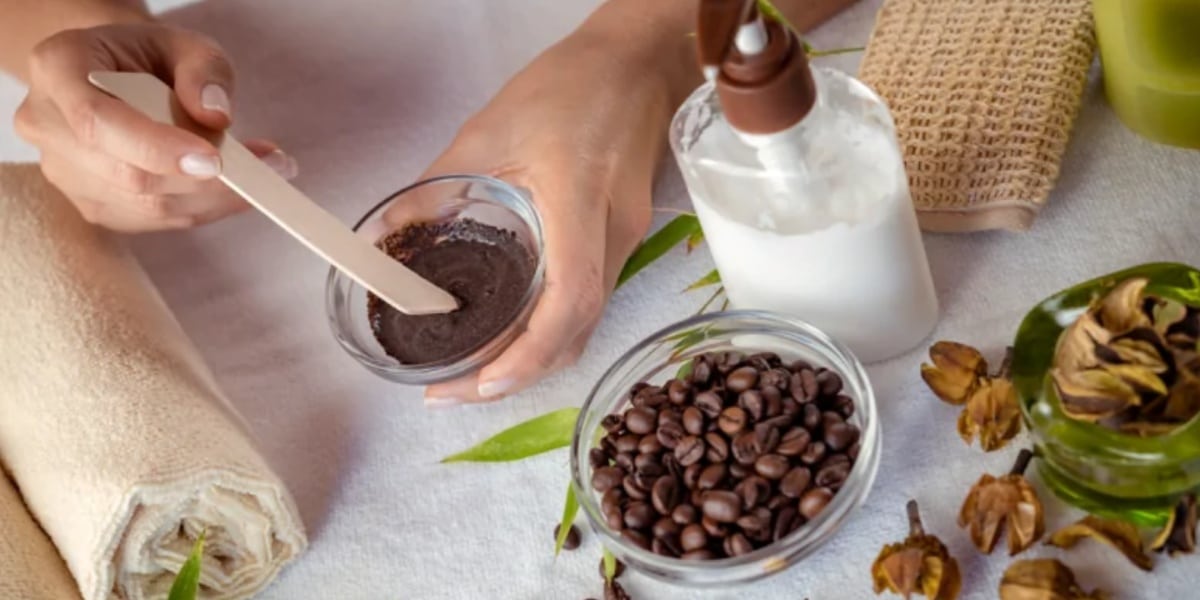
(365, 93)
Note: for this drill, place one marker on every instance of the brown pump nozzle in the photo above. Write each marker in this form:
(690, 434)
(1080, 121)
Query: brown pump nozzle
(761, 93)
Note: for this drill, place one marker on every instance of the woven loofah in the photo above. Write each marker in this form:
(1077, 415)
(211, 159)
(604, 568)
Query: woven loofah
(984, 93)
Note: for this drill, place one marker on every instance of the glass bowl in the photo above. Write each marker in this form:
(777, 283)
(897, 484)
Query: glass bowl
(484, 199)
(657, 359)
(1102, 471)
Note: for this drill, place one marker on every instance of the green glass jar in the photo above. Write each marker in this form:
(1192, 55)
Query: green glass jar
(1102, 471)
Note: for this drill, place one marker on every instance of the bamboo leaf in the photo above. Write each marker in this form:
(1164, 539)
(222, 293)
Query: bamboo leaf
(695, 240)
(187, 582)
(570, 508)
(610, 566)
(713, 277)
(535, 436)
(654, 247)
(685, 370)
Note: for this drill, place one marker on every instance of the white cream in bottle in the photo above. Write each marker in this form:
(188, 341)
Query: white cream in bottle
(799, 184)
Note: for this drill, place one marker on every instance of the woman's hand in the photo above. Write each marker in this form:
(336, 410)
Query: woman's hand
(583, 128)
(121, 169)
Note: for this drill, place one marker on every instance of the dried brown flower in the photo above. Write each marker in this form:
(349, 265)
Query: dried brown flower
(1123, 536)
(1042, 579)
(959, 376)
(991, 414)
(918, 565)
(1179, 534)
(1008, 501)
(955, 372)
(1121, 310)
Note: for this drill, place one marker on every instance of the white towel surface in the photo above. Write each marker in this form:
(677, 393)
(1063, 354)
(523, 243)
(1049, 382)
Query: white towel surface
(30, 567)
(366, 93)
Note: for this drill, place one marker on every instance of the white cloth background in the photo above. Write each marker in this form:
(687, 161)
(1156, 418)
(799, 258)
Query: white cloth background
(365, 93)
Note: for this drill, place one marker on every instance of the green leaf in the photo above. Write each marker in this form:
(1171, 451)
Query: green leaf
(711, 278)
(610, 566)
(818, 53)
(187, 582)
(535, 436)
(685, 370)
(695, 240)
(570, 508)
(672, 234)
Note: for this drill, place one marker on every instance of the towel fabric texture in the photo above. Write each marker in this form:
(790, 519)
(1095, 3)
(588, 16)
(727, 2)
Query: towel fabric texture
(112, 427)
(30, 568)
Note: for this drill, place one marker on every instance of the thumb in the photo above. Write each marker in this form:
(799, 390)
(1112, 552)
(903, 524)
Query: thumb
(203, 78)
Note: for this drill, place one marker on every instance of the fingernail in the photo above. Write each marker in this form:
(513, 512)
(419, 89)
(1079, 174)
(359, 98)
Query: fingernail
(281, 163)
(492, 389)
(441, 402)
(213, 97)
(200, 165)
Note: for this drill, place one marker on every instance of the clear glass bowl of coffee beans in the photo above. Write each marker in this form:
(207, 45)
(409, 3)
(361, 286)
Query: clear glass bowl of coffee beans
(726, 448)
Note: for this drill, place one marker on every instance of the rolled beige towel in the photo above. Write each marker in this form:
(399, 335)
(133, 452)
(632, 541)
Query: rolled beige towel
(30, 568)
(112, 427)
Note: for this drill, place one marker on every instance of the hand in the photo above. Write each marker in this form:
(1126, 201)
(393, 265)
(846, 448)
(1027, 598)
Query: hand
(121, 169)
(582, 128)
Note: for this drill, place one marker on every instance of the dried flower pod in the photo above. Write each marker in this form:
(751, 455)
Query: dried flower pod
(1093, 394)
(955, 372)
(994, 502)
(1121, 309)
(1166, 314)
(918, 565)
(1076, 348)
(1179, 535)
(992, 414)
(1042, 579)
(1123, 536)
(1137, 352)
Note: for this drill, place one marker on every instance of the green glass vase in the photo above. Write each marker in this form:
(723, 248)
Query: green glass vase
(1104, 472)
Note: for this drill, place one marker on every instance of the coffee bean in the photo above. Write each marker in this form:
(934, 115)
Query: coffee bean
(840, 436)
(615, 521)
(718, 447)
(830, 418)
(752, 490)
(693, 420)
(634, 488)
(765, 360)
(776, 378)
(741, 379)
(844, 405)
(853, 451)
(833, 475)
(794, 441)
(773, 399)
(613, 501)
(722, 506)
(645, 478)
(814, 454)
(702, 554)
(665, 527)
(701, 371)
(640, 421)
(655, 400)
(713, 527)
(597, 458)
(649, 444)
(678, 391)
(778, 502)
(732, 420)
(795, 482)
(693, 537)
(728, 361)
(690, 450)
(712, 476)
(624, 461)
(803, 386)
(709, 403)
(665, 494)
(766, 437)
(811, 416)
(606, 478)
(669, 434)
(799, 365)
(691, 476)
(628, 442)
(639, 515)
(785, 522)
(614, 591)
(745, 448)
(572, 540)
(684, 514)
(664, 547)
(771, 466)
(753, 522)
(636, 538)
(646, 462)
(739, 471)
(609, 444)
(752, 403)
(814, 501)
(830, 383)
(617, 571)
(789, 407)
(670, 413)
(612, 423)
(737, 545)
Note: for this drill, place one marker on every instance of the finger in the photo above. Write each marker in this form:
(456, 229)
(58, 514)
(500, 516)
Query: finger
(464, 390)
(203, 77)
(100, 205)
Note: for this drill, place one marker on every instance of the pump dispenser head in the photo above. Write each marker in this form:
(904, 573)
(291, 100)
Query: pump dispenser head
(762, 75)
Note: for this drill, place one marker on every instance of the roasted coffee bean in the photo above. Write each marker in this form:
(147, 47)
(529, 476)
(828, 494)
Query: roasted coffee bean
(732, 420)
(615, 521)
(572, 541)
(647, 462)
(752, 490)
(649, 444)
(693, 420)
(646, 478)
(713, 528)
(670, 413)
(712, 476)
(597, 458)
(780, 422)
(795, 482)
(606, 478)
(718, 447)
(777, 378)
(609, 444)
(617, 572)
(804, 387)
(830, 383)
(773, 399)
(613, 501)
(684, 514)
(840, 436)
(779, 501)
(665, 494)
(640, 421)
(789, 407)
(701, 371)
(814, 454)
(753, 522)
(814, 501)
(799, 365)
(614, 591)
(655, 400)
(722, 506)
(771, 466)
(709, 403)
(741, 379)
(853, 451)
(691, 475)
(669, 434)
(690, 450)
(664, 547)
(765, 360)
(634, 488)
(830, 418)
(612, 423)
(745, 448)
(844, 405)
(693, 537)
(639, 515)
(766, 437)
(785, 522)
(811, 416)
(739, 471)
(752, 403)
(728, 361)
(628, 442)
(701, 554)
(665, 527)
(636, 538)
(624, 461)
(833, 475)
(737, 545)
(794, 441)
(678, 391)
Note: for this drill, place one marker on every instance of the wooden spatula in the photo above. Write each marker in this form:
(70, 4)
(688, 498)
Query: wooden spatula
(287, 206)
